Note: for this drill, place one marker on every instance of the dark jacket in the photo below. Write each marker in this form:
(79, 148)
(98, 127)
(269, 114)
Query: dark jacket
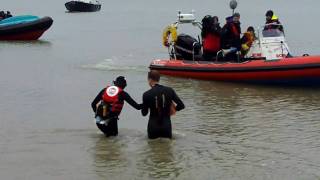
(230, 36)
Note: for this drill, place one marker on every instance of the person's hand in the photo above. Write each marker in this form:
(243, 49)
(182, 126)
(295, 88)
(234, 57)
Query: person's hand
(173, 109)
(140, 106)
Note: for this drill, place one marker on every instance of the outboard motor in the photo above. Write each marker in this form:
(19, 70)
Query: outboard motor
(187, 47)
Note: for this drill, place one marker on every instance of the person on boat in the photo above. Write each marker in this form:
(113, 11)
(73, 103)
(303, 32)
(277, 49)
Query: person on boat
(162, 101)
(272, 22)
(8, 14)
(247, 40)
(230, 41)
(211, 36)
(108, 105)
(2, 15)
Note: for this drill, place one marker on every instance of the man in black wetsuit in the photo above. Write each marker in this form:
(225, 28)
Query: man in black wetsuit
(111, 99)
(160, 100)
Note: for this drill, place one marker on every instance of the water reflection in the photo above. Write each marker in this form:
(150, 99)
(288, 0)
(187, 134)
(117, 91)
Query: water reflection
(109, 156)
(159, 159)
(36, 43)
(133, 155)
(211, 109)
(228, 109)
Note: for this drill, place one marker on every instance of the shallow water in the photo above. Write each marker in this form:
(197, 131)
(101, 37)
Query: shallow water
(227, 131)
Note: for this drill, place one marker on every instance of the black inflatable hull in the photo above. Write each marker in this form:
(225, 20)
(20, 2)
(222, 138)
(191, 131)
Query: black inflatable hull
(26, 31)
(77, 6)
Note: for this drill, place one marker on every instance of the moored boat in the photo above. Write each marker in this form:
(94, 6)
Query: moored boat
(83, 6)
(25, 27)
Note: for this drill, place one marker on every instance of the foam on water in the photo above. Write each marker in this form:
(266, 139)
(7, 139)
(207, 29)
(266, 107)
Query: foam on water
(111, 65)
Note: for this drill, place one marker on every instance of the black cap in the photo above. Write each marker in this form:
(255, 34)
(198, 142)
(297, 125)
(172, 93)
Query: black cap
(269, 13)
(229, 19)
(236, 14)
(250, 28)
(120, 82)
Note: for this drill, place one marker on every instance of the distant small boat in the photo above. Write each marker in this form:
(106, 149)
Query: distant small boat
(83, 6)
(25, 27)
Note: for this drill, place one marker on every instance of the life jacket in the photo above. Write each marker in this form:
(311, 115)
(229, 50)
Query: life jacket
(111, 97)
(274, 18)
(273, 23)
(211, 43)
(249, 38)
(234, 30)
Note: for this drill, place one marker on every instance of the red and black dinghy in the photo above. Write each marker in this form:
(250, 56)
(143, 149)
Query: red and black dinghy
(296, 70)
(25, 27)
(267, 62)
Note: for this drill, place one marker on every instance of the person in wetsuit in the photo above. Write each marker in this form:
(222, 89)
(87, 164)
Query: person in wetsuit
(160, 100)
(111, 99)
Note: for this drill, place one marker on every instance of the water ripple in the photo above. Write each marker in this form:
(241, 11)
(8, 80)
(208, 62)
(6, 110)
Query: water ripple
(110, 65)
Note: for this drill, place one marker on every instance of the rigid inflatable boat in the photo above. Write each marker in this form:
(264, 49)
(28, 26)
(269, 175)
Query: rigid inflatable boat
(83, 6)
(268, 60)
(296, 70)
(25, 27)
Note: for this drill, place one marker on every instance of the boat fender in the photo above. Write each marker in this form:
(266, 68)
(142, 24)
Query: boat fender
(304, 55)
(169, 30)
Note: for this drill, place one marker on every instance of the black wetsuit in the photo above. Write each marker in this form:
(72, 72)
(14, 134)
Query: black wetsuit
(112, 128)
(159, 99)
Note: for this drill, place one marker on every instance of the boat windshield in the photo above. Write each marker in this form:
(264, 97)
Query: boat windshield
(88, 1)
(272, 33)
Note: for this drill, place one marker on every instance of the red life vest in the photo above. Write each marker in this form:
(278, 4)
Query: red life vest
(211, 43)
(111, 96)
(235, 30)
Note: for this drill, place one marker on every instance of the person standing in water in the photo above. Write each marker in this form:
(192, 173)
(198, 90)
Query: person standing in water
(108, 105)
(162, 102)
